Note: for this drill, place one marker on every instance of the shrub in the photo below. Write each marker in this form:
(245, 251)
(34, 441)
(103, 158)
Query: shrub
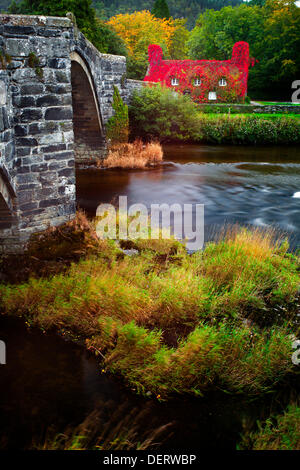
(160, 113)
(172, 323)
(248, 129)
(281, 432)
(117, 125)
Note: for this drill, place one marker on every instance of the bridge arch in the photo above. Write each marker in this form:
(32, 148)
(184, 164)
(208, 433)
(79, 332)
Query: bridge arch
(6, 204)
(89, 136)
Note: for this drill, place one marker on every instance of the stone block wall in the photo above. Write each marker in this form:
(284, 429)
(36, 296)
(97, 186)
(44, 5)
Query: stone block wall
(250, 108)
(106, 71)
(9, 237)
(133, 85)
(7, 153)
(43, 169)
(51, 118)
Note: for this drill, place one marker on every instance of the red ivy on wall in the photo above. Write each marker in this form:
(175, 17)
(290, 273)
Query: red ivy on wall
(199, 77)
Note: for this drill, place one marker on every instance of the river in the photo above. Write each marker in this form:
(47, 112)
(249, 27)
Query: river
(258, 186)
(49, 384)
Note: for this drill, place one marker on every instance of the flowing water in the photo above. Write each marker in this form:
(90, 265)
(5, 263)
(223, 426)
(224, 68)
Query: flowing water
(49, 384)
(259, 186)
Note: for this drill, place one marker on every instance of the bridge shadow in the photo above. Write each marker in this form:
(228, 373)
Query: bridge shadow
(89, 138)
(6, 218)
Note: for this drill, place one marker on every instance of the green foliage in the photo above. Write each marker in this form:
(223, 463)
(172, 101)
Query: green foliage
(172, 323)
(108, 40)
(280, 64)
(257, 2)
(34, 63)
(188, 9)
(160, 113)
(217, 31)
(178, 49)
(270, 31)
(33, 60)
(160, 9)
(5, 59)
(137, 67)
(281, 432)
(248, 129)
(117, 126)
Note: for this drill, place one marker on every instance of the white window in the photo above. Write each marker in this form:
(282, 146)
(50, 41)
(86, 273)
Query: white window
(223, 82)
(212, 95)
(175, 81)
(197, 82)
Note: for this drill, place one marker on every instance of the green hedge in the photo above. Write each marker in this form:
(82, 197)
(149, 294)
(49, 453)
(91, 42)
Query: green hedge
(248, 129)
(157, 113)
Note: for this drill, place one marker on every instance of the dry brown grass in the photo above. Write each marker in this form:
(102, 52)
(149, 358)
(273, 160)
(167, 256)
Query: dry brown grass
(255, 242)
(124, 430)
(133, 155)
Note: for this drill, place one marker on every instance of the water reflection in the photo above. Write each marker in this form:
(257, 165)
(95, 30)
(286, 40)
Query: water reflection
(51, 386)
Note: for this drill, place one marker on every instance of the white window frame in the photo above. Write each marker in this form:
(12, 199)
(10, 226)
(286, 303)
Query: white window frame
(212, 96)
(174, 81)
(223, 82)
(197, 81)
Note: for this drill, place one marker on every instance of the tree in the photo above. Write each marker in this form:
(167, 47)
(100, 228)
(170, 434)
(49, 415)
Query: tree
(117, 127)
(138, 30)
(217, 31)
(272, 32)
(159, 113)
(188, 9)
(161, 9)
(260, 3)
(281, 63)
(109, 41)
(178, 48)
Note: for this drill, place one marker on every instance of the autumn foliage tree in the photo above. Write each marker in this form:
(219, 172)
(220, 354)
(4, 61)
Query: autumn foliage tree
(140, 29)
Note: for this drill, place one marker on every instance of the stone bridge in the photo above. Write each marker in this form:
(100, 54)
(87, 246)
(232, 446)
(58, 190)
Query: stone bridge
(56, 92)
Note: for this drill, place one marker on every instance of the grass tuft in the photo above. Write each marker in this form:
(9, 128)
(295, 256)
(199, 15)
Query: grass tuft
(170, 322)
(133, 155)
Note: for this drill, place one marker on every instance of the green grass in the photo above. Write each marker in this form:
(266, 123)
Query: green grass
(277, 115)
(168, 322)
(280, 432)
(273, 103)
(157, 114)
(259, 115)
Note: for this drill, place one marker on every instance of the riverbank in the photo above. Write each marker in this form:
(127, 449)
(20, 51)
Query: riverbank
(169, 323)
(158, 113)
